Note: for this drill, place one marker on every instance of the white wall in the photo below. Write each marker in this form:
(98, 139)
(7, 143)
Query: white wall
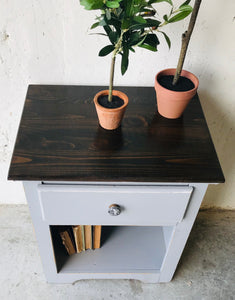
(48, 42)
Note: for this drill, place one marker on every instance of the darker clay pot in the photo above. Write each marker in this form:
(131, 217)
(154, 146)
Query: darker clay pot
(171, 104)
(110, 119)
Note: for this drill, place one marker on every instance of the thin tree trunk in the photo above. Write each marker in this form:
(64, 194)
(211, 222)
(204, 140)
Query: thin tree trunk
(185, 41)
(111, 78)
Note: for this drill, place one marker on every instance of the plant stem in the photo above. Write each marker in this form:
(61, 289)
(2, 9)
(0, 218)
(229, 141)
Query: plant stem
(185, 41)
(111, 78)
(117, 49)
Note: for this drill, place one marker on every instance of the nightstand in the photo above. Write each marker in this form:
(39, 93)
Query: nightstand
(155, 169)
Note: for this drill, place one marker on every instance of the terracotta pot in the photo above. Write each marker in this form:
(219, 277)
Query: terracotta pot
(110, 118)
(172, 104)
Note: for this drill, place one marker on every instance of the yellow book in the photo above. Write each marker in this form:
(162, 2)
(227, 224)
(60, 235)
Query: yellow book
(67, 240)
(88, 237)
(96, 236)
(79, 237)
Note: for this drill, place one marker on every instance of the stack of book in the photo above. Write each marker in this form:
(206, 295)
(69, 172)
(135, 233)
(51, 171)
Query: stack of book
(80, 238)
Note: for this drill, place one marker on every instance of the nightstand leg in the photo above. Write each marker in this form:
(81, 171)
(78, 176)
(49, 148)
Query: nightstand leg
(42, 231)
(181, 234)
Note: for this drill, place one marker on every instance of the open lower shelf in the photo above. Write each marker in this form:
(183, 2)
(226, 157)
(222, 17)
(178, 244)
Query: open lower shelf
(124, 249)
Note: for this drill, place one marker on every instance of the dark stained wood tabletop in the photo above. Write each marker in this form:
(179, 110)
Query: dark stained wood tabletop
(59, 139)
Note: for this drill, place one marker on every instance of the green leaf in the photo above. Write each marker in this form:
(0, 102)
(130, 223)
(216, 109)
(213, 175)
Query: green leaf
(128, 6)
(139, 19)
(107, 29)
(106, 50)
(92, 4)
(103, 34)
(148, 47)
(116, 24)
(165, 18)
(179, 16)
(149, 23)
(152, 40)
(167, 39)
(95, 25)
(113, 37)
(141, 42)
(153, 23)
(108, 14)
(103, 22)
(132, 49)
(118, 11)
(125, 60)
(186, 8)
(134, 38)
(185, 3)
(112, 4)
(126, 23)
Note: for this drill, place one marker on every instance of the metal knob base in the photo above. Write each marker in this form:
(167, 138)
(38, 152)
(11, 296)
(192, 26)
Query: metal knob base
(114, 210)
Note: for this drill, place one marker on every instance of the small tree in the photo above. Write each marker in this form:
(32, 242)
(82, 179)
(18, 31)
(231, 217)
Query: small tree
(131, 23)
(127, 23)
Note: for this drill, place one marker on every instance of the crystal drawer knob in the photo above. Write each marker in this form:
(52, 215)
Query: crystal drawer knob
(114, 210)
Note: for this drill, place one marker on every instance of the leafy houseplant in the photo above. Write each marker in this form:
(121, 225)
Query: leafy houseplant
(176, 87)
(126, 23)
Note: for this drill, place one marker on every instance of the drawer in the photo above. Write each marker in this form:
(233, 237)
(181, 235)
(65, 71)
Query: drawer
(89, 204)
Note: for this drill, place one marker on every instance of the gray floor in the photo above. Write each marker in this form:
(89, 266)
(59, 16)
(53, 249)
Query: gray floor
(206, 269)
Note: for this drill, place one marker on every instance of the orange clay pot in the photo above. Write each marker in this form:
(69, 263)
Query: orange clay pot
(171, 104)
(110, 118)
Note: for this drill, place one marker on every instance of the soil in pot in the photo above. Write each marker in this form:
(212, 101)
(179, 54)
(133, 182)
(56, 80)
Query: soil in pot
(115, 103)
(184, 84)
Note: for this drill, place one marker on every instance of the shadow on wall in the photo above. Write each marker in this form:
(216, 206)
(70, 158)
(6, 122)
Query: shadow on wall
(223, 136)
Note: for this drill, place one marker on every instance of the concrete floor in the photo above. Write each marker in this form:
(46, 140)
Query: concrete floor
(206, 269)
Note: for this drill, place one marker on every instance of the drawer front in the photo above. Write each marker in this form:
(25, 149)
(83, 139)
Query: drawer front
(140, 205)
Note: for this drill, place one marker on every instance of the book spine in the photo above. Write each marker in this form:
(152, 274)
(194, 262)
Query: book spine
(78, 238)
(83, 237)
(88, 236)
(67, 242)
(96, 236)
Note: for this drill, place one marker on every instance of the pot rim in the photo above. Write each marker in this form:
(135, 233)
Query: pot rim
(185, 73)
(120, 94)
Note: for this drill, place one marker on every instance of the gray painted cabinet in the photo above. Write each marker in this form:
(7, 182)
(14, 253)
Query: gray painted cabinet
(157, 171)
(152, 228)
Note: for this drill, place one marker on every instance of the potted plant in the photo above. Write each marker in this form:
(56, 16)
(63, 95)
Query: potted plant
(126, 23)
(176, 87)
